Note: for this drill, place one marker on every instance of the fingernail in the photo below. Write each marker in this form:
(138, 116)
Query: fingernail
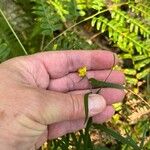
(96, 104)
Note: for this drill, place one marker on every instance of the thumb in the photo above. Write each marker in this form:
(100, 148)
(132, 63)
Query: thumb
(61, 107)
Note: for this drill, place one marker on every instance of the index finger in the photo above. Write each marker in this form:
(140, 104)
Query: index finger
(61, 63)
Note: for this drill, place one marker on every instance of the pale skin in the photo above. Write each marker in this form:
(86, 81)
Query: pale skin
(41, 98)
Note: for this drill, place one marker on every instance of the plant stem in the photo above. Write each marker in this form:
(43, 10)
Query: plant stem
(11, 28)
(42, 43)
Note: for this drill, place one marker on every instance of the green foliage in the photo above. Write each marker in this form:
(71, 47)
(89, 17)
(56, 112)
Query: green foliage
(48, 23)
(7, 40)
(127, 27)
(51, 15)
(11, 12)
(4, 51)
(71, 40)
(128, 140)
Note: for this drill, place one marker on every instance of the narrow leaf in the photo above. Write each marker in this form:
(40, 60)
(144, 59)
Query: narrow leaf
(86, 96)
(117, 136)
(102, 84)
(144, 136)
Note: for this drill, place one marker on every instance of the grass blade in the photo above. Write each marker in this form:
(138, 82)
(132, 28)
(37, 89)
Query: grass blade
(11, 28)
(128, 140)
(86, 108)
(102, 84)
(87, 139)
(144, 135)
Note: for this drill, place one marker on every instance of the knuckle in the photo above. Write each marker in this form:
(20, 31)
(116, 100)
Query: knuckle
(70, 62)
(76, 107)
(70, 83)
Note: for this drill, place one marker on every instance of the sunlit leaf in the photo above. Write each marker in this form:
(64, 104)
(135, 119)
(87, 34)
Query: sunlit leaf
(131, 80)
(130, 71)
(143, 73)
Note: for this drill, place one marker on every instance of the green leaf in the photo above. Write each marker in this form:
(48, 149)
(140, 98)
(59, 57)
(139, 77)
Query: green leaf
(93, 22)
(131, 27)
(139, 57)
(126, 56)
(136, 29)
(115, 36)
(4, 51)
(103, 84)
(110, 32)
(143, 73)
(144, 135)
(130, 46)
(86, 108)
(130, 71)
(98, 25)
(117, 17)
(131, 80)
(142, 64)
(129, 141)
(103, 28)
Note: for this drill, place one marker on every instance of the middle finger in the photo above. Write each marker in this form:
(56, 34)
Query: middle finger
(72, 81)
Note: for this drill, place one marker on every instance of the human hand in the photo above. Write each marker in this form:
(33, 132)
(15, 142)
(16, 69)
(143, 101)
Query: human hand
(42, 98)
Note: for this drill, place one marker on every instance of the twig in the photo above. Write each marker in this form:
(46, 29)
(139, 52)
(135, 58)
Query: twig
(95, 35)
(109, 72)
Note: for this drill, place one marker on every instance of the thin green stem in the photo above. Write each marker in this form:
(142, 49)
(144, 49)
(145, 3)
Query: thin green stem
(109, 72)
(11, 28)
(148, 83)
(42, 43)
(86, 19)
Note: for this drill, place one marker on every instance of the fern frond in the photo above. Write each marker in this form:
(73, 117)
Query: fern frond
(60, 8)
(135, 24)
(142, 63)
(125, 40)
(72, 40)
(98, 5)
(83, 5)
(142, 74)
(46, 14)
(125, 28)
(138, 114)
(139, 57)
(142, 8)
(133, 102)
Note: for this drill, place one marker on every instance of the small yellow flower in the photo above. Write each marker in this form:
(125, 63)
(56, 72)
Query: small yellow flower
(82, 71)
(45, 146)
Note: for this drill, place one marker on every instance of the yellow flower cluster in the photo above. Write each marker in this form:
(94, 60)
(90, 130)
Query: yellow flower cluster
(82, 71)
